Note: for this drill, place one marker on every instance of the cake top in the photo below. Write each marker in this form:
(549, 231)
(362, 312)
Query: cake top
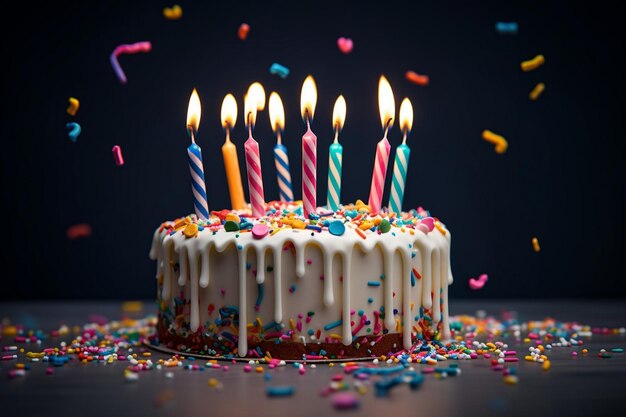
(281, 215)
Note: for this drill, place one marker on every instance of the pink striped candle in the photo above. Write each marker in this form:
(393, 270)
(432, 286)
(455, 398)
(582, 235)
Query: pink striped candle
(255, 177)
(254, 100)
(309, 172)
(387, 109)
(308, 99)
(380, 172)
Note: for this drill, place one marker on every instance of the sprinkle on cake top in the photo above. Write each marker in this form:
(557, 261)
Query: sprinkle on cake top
(280, 215)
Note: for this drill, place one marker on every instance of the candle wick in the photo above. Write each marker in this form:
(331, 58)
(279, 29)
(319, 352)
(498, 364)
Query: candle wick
(336, 133)
(306, 115)
(405, 135)
(250, 124)
(192, 133)
(279, 138)
(388, 125)
(227, 132)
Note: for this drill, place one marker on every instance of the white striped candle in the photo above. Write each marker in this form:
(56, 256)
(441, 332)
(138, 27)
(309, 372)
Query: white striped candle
(401, 162)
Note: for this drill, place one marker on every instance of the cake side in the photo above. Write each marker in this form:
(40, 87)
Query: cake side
(340, 281)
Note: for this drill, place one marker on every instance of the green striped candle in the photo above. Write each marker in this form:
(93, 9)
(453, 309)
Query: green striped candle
(335, 156)
(401, 161)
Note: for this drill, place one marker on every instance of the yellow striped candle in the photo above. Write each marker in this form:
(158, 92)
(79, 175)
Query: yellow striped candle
(401, 162)
(335, 156)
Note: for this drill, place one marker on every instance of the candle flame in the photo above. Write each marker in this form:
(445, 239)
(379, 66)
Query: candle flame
(193, 113)
(254, 101)
(339, 113)
(406, 115)
(229, 111)
(308, 98)
(386, 103)
(277, 112)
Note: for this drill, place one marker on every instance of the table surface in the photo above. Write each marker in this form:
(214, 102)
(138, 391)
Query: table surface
(582, 385)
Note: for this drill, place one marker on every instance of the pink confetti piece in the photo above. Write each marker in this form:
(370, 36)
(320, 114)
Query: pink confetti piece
(132, 48)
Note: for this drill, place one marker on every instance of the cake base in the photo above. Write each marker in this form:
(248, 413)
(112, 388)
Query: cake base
(197, 345)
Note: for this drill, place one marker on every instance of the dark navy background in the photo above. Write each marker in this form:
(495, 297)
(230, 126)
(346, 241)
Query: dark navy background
(562, 178)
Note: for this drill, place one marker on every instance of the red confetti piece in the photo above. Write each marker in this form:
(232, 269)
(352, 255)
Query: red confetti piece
(78, 231)
(416, 78)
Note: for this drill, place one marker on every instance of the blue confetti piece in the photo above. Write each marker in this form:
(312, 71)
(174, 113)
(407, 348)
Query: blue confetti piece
(280, 70)
(506, 28)
(74, 130)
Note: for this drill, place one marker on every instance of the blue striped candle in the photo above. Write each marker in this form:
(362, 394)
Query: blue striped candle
(195, 158)
(282, 173)
(335, 156)
(277, 120)
(197, 181)
(398, 180)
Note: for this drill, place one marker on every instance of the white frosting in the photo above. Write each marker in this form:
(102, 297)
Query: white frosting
(208, 275)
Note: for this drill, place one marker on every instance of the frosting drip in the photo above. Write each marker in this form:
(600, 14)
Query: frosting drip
(419, 244)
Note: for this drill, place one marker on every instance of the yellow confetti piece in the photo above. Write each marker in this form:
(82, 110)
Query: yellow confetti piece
(73, 107)
(132, 306)
(536, 246)
(533, 64)
(500, 142)
(534, 95)
(173, 13)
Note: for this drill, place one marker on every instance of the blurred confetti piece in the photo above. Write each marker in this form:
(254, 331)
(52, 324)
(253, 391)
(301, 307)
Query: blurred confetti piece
(132, 306)
(345, 45)
(163, 398)
(117, 155)
(132, 48)
(243, 30)
(477, 284)
(501, 145)
(74, 130)
(533, 64)
(173, 13)
(280, 70)
(506, 28)
(536, 246)
(73, 107)
(416, 78)
(78, 231)
(534, 95)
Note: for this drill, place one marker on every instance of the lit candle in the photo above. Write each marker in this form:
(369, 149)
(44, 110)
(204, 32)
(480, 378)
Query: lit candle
(229, 153)
(254, 100)
(401, 161)
(308, 99)
(335, 155)
(195, 158)
(277, 119)
(387, 109)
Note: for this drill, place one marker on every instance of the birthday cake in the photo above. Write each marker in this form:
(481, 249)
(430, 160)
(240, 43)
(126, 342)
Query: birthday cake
(335, 285)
